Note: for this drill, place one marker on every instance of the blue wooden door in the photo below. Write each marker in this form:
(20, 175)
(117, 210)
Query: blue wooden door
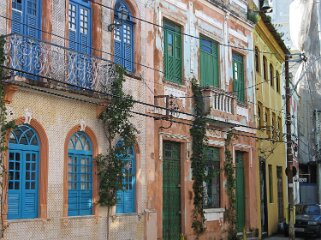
(26, 21)
(23, 173)
(80, 42)
(126, 196)
(79, 175)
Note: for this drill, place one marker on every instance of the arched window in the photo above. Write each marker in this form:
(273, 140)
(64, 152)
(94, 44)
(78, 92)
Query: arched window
(124, 37)
(257, 59)
(265, 66)
(79, 175)
(23, 173)
(126, 197)
(271, 75)
(277, 82)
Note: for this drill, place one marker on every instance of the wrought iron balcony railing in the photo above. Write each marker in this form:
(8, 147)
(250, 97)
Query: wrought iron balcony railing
(36, 60)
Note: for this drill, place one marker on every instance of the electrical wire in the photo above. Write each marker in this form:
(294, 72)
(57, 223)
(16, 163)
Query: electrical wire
(110, 95)
(97, 50)
(182, 33)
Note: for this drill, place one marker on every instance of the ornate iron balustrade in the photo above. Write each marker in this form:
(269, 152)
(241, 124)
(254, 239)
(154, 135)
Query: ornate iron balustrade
(219, 100)
(36, 59)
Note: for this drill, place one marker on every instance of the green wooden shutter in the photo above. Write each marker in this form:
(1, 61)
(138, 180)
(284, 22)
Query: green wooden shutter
(209, 63)
(172, 52)
(238, 77)
(171, 191)
(240, 191)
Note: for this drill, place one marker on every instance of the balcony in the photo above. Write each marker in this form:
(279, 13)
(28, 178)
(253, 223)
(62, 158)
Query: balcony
(220, 105)
(219, 101)
(42, 62)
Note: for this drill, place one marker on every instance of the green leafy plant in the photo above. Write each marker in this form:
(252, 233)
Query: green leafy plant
(198, 133)
(229, 171)
(252, 16)
(117, 126)
(5, 125)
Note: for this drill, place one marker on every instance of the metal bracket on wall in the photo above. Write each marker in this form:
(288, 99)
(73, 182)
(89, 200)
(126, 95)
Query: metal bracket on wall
(170, 108)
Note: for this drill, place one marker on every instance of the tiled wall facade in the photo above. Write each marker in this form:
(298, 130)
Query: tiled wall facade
(59, 115)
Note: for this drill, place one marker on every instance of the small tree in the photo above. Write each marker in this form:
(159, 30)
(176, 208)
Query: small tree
(117, 125)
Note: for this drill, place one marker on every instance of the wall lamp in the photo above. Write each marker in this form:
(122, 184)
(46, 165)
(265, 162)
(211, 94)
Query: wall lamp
(266, 7)
(122, 16)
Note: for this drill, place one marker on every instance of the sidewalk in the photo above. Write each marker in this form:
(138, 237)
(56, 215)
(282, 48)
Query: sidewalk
(281, 237)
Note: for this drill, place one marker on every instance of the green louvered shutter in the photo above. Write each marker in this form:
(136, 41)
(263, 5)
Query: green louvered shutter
(209, 63)
(172, 52)
(171, 191)
(240, 191)
(238, 77)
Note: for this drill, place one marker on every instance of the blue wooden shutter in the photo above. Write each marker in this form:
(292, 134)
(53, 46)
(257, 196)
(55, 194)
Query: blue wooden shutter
(17, 23)
(33, 18)
(30, 190)
(126, 197)
(85, 179)
(120, 202)
(118, 48)
(84, 30)
(23, 170)
(129, 194)
(14, 185)
(73, 25)
(123, 39)
(72, 185)
(79, 175)
(128, 46)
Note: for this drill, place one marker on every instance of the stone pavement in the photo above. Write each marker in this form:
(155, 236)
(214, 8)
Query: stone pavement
(281, 237)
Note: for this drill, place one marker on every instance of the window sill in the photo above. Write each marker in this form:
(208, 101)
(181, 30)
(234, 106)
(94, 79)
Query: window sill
(242, 104)
(16, 221)
(125, 214)
(133, 75)
(174, 84)
(80, 217)
(214, 214)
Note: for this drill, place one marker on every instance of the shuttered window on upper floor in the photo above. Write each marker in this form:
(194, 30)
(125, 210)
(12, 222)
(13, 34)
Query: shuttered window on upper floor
(79, 14)
(238, 76)
(172, 52)
(271, 75)
(124, 37)
(26, 17)
(209, 63)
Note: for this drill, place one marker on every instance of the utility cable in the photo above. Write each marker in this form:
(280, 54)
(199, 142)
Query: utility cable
(110, 95)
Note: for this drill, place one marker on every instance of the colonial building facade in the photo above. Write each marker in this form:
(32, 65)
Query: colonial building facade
(60, 56)
(270, 121)
(59, 66)
(206, 41)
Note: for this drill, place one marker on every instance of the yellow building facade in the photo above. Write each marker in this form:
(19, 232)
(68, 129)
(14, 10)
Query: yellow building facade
(269, 57)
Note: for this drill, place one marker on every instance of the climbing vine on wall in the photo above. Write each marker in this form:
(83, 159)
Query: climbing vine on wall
(117, 126)
(229, 171)
(5, 125)
(198, 133)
